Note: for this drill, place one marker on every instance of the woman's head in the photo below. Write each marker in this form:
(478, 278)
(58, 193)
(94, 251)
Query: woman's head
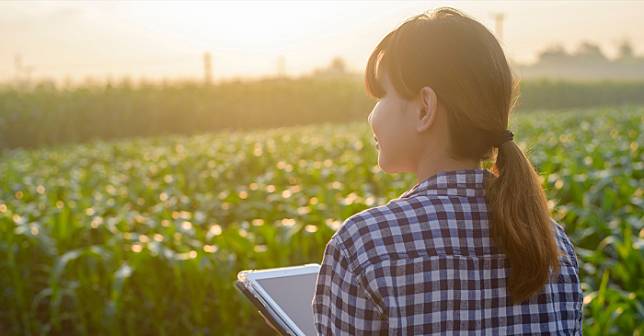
(402, 130)
(445, 92)
(445, 73)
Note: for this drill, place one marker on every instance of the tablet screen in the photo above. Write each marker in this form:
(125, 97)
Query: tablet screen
(294, 294)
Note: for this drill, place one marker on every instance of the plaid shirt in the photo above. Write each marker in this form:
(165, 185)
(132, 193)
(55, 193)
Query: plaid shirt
(425, 264)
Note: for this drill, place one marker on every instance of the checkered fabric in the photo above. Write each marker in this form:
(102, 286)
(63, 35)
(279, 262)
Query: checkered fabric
(424, 263)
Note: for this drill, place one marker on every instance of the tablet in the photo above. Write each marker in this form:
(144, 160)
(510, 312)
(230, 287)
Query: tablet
(283, 295)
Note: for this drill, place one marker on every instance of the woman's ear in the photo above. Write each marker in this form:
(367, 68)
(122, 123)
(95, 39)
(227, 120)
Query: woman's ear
(428, 109)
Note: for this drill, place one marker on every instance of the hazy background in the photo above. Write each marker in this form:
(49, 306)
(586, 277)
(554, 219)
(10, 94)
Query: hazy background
(154, 40)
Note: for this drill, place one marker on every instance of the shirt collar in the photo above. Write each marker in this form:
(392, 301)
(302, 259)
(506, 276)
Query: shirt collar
(461, 182)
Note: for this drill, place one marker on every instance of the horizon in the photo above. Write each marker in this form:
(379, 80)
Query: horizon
(60, 41)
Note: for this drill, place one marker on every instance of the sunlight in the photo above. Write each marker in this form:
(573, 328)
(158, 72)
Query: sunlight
(267, 28)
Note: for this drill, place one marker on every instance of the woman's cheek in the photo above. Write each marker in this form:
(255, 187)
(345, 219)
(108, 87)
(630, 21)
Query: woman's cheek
(388, 156)
(382, 161)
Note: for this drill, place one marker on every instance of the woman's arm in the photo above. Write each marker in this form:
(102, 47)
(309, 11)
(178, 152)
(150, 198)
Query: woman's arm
(340, 304)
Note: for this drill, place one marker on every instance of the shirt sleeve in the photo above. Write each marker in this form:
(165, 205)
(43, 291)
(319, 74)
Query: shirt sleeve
(580, 295)
(341, 306)
(572, 255)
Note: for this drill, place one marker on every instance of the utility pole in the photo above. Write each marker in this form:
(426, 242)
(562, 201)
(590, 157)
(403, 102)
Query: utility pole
(498, 25)
(281, 66)
(17, 65)
(23, 72)
(207, 68)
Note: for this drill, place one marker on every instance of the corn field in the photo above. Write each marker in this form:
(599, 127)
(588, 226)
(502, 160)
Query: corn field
(146, 235)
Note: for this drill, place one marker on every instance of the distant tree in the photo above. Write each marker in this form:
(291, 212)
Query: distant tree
(590, 51)
(553, 54)
(626, 50)
(338, 65)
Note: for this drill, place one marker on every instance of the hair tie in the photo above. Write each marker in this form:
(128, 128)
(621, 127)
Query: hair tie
(503, 138)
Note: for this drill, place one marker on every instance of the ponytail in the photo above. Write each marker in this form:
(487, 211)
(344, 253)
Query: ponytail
(520, 222)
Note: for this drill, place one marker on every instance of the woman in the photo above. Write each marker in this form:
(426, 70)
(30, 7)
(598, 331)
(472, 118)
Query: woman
(466, 250)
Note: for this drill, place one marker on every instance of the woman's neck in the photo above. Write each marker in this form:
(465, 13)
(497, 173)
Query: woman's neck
(430, 167)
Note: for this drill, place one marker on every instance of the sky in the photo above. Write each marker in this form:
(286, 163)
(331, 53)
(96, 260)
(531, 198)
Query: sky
(154, 40)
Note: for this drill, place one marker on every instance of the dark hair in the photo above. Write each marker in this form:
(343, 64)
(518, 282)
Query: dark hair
(465, 65)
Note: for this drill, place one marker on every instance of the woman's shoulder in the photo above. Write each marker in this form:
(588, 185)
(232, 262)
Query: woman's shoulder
(363, 230)
(365, 222)
(373, 219)
(372, 232)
